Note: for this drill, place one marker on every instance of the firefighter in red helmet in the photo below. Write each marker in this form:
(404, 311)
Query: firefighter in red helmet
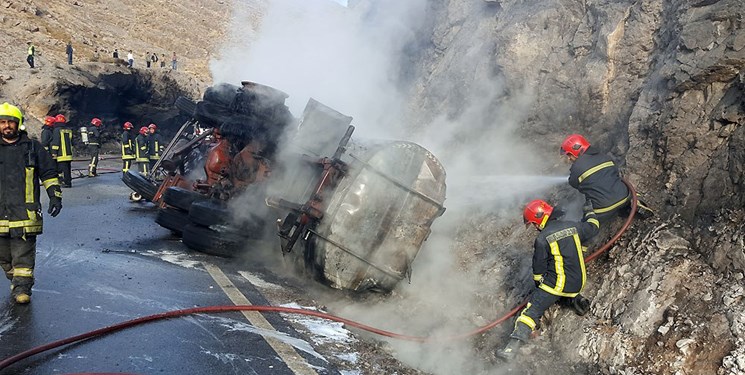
(155, 145)
(128, 152)
(141, 151)
(597, 177)
(94, 143)
(558, 267)
(62, 149)
(47, 133)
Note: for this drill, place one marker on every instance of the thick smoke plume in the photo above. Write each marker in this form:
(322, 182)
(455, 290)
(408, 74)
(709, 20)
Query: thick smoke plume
(350, 59)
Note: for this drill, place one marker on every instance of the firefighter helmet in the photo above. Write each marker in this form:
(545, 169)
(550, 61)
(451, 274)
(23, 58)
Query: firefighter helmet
(152, 126)
(60, 118)
(537, 212)
(128, 125)
(11, 113)
(143, 130)
(96, 121)
(575, 145)
(49, 120)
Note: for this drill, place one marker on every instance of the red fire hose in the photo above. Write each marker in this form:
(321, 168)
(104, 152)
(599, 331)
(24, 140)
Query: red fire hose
(217, 309)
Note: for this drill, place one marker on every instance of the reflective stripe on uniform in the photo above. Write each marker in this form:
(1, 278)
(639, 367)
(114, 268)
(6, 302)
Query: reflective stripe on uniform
(558, 266)
(537, 277)
(581, 258)
(32, 225)
(525, 319)
(29, 185)
(23, 272)
(611, 207)
(50, 182)
(594, 169)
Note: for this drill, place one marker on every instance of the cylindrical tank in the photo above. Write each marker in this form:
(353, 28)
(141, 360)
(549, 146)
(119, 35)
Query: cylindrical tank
(84, 134)
(378, 217)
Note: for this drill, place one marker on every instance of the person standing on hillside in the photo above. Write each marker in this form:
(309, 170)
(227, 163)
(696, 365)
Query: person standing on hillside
(142, 158)
(597, 177)
(147, 60)
(174, 61)
(128, 152)
(115, 54)
(131, 59)
(23, 163)
(154, 59)
(62, 149)
(31, 53)
(162, 60)
(69, 52)
(94, 142)
(558, 268)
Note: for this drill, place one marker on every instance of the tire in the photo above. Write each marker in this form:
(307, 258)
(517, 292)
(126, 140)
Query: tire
(186, 105)
(215, 214)
(172, 219)
(208, 241)
(209, 212)
(140, 184)
(181, 198)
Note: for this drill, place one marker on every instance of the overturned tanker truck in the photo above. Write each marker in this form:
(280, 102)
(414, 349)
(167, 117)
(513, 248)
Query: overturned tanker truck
(353, 213)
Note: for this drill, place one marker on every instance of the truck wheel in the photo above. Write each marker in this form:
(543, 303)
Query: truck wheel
(214, 213)
(208, 241)
(209, 212)
(173, 219)
(181, 198)
(140, 184)
(186, 105)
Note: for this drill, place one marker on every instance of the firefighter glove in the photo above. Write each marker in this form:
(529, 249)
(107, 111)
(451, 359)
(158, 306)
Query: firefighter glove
(55, 200)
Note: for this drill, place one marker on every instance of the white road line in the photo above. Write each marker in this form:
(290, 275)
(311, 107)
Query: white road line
(294, 361)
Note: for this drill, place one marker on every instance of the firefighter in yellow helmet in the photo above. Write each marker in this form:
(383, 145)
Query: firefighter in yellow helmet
(558, 267)
(23, 164)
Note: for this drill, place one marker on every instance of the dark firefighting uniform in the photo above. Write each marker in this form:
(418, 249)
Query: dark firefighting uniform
(22, 165)
(128, 152)
(47, 134)
(558, 268)
(141, 154)
(62, 149)
(94, 143)
(155, 148)
(596, 176)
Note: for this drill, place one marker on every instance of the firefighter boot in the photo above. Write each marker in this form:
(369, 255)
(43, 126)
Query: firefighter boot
(580, 304)
(510, 351)
(19, 294)
(519, 335)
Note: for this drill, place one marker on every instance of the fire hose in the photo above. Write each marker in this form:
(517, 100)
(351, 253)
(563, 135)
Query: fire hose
(289, 310)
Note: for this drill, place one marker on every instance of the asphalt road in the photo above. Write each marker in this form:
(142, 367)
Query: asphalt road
(103, 261)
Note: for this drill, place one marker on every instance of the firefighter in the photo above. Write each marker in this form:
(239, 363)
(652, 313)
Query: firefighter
(47, 133)
(141, 151)
(62, 149)
(558, 267)
(128, 152)
(94, 142)
(23, 162)
(155, 144)
(596, 176)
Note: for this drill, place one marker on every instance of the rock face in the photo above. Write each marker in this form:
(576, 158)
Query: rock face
(659, 84)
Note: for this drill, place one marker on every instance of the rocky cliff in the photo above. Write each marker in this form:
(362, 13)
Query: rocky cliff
(659, 84)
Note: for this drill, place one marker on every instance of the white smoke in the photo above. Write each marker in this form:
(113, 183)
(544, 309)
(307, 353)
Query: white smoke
(349, 59)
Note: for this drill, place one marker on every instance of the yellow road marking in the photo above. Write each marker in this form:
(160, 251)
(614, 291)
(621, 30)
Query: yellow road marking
(294, 361)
